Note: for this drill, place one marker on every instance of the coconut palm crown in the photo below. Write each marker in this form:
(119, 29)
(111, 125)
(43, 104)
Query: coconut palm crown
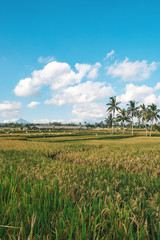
(153, 114)
(123, 117)
(109, 120)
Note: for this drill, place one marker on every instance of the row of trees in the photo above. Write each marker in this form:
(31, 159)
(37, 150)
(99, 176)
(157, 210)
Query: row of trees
(146, 114)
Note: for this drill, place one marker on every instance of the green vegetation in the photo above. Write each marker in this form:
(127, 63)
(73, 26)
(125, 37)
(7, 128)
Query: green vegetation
(146, 116)
(80, 185)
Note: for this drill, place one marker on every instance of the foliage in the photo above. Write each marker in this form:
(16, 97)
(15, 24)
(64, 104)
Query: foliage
(149, 114)
(80, 190)
(113, 107)
(109, 120)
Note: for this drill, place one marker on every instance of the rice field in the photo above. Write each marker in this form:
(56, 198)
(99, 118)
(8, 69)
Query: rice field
(79, 186)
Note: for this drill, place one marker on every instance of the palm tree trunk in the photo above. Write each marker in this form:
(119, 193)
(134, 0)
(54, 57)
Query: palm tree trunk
(132, 125)
(151, 131)
(146, 129)
(151, 128)
(113, 121)
(123, 128)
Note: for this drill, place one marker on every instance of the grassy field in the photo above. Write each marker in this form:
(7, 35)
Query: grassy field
(79, 185)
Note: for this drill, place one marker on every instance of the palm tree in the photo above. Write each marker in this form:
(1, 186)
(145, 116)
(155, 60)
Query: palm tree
(138, 115)
(123, 117)
(153, 115)
(113, 107)
(109, 120)
(144, 115)
(132, 110)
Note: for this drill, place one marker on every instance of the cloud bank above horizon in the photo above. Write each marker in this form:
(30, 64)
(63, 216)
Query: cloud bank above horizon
(82, 87)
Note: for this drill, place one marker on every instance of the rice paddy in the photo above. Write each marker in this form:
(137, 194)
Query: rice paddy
(85, 185)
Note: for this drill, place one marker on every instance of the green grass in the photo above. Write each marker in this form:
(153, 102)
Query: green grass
(95, 187)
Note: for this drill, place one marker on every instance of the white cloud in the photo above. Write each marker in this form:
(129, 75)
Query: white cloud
(26, 88)
(33, 104)
(131, 71)
(157, 87)
(43, 121)
(65, 85)
(7, 106)
(75, 86)
(10, 109)
(89, 112)
(150, 99)
(82, 93)
(83, 68)
(10, 114)
(93, 73)
(110, 54)
(46, 59)
(58, 120)
(135, 92)
(10, 121)
(141, 94)
(57, 75)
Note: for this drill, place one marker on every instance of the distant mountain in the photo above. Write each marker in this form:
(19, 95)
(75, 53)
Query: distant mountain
(21, 121)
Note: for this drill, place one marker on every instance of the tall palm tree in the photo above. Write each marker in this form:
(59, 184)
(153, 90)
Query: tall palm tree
(113, 107)
(153, 115)
(144, 115)
(132, 108)
(123, 117)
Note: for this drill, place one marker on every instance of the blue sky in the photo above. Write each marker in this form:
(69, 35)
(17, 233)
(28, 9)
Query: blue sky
(62, 60)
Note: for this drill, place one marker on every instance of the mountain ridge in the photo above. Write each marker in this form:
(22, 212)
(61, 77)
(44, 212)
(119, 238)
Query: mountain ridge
(21, 121)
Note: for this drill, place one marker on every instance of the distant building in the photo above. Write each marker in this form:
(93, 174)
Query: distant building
(24, 128)
(43, 127)
(40, 127)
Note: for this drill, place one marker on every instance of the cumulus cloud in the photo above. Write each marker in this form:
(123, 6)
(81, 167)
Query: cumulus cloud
(27, 88)
(83, 68)
(10, 121)
(82, 93)
(110, 54)
(45, 59)
(89, 112)
(142, 94)
(10, 114)
(7, 106)
(131, 71)
(151, 99)
(157, 87)
(10, 109)
(33, 105)
(93, 73)
(57, 75)
(135, 92)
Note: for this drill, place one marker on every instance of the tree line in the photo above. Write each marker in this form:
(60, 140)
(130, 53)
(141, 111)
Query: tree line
(146, 114)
